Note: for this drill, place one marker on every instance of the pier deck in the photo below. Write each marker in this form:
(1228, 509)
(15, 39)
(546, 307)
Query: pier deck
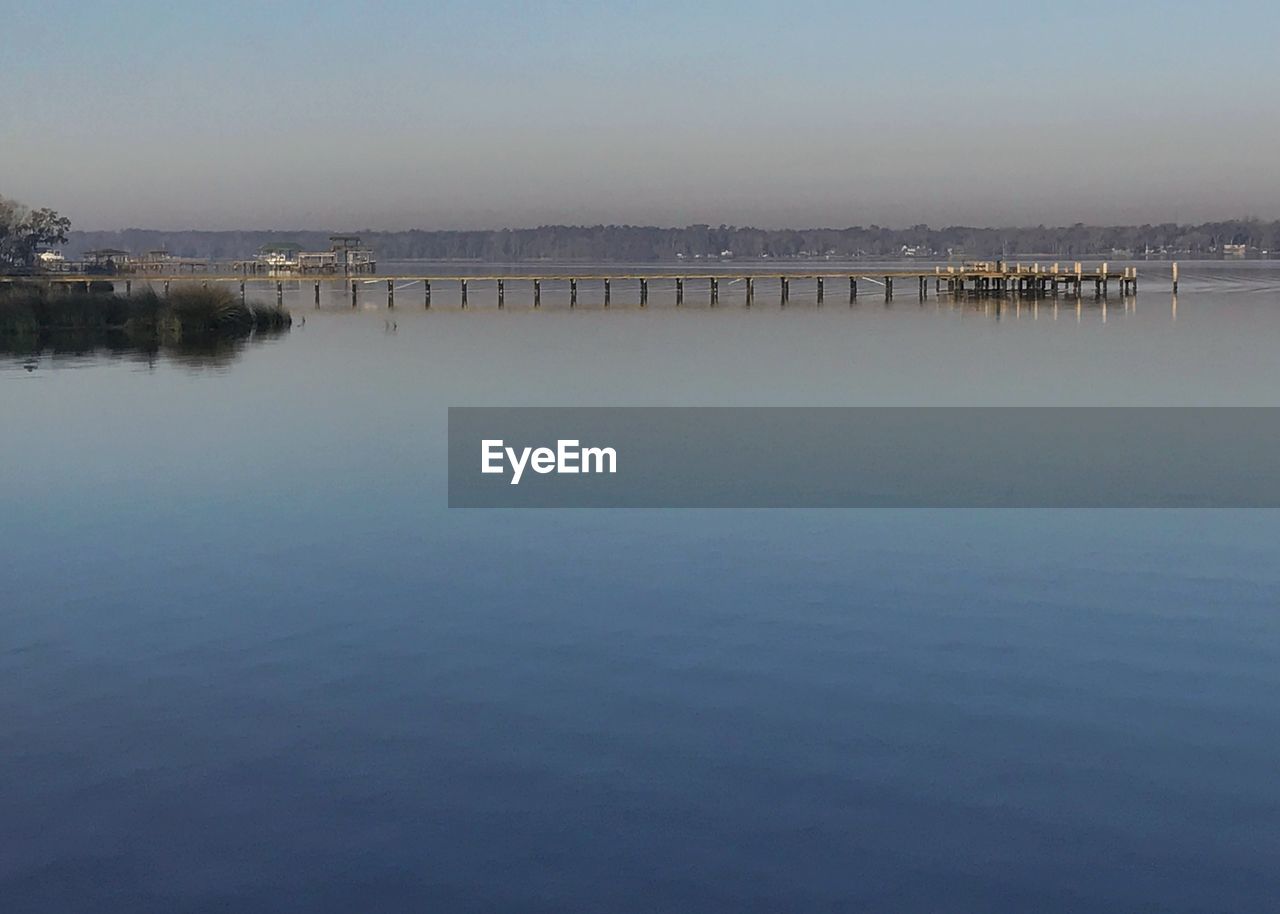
(974, 280)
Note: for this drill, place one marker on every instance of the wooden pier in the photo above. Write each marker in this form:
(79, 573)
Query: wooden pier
(978, 280)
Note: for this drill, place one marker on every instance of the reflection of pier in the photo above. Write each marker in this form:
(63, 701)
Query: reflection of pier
(1048, 308)
(986, 281)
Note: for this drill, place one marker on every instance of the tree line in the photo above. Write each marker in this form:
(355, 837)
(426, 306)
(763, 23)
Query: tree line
(25, 232)
(640, 244)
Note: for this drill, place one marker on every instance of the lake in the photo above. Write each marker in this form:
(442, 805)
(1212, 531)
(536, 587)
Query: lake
(251, 662)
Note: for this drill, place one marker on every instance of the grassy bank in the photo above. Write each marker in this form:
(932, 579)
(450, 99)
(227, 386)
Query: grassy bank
(185, 312)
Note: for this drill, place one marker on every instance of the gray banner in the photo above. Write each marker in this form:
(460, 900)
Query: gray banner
(665, 457)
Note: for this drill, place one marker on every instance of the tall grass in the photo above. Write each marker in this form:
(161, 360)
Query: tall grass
(216, 310)
(186, 311)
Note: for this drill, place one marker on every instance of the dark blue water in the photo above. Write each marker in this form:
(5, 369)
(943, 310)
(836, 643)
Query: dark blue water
(250, 662)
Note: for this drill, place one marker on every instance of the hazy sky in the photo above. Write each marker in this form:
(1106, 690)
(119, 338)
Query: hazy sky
(455, 114)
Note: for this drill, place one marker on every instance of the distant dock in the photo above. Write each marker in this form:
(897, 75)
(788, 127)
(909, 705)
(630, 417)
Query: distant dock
(974, 280)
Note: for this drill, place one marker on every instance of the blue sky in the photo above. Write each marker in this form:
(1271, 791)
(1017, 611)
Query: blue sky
(454, 114)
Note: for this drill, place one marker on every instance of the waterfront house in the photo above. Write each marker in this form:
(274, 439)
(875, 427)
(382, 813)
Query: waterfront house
(277, 257)
(107, 260)
(51, 261)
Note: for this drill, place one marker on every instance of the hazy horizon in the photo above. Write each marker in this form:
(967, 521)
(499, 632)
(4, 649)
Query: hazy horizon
(906, 226)
(488, 115)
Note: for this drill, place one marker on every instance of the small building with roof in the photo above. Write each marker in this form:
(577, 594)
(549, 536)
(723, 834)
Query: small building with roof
(346, 255)
(107, 260)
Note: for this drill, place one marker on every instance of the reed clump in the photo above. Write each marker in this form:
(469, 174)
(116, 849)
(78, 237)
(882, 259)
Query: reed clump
(186, 311)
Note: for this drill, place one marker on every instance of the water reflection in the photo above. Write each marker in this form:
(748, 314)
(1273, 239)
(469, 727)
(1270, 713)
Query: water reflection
(998, 308)
(70, 347)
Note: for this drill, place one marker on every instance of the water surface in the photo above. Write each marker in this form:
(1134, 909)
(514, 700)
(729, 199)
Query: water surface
(249, 661)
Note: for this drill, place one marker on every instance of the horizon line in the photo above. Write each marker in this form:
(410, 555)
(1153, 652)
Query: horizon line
(924, 226)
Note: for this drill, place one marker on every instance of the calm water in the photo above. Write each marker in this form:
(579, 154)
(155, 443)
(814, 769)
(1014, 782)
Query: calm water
(250, 662)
